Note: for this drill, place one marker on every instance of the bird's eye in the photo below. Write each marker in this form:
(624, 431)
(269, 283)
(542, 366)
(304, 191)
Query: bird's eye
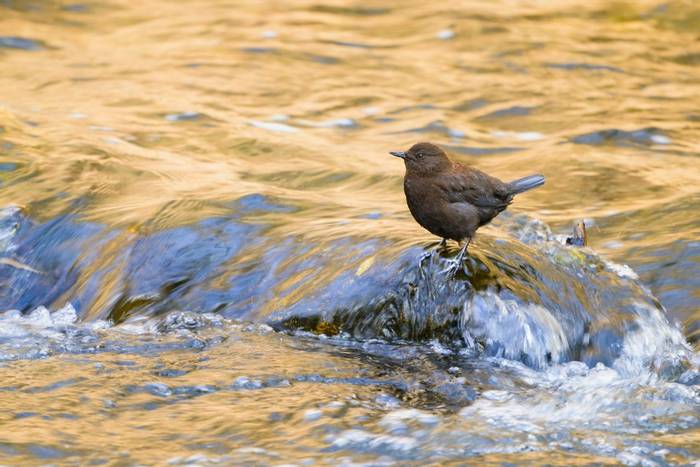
(419, 155)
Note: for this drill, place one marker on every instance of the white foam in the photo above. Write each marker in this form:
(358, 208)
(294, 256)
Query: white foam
(14, 323)
(396, 420)
(514, 329)
(270, 126)
(332, 123)
(363, 440)
(661, 139)
(621, 270)
(652, 344)
(445, 34)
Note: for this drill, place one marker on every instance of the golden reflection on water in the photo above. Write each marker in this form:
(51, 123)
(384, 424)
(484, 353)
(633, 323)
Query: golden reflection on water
(99, 115)
(96, 406)
(99, 93)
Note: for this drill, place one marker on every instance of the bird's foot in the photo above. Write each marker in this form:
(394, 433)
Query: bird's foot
(458, 262)
(451, 271)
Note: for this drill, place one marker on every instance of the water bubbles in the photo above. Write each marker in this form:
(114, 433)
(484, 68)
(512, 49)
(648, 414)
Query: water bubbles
(186, 320)
(349, 438)
(622, 270)
(243, 382)
(157, 389)
(273, 126)
(331, 123)
(445, 34)
(438, 348)
(279, 118)
(387, 401)
(103, 128)
(455, 133)
(398, 420)
(312, 415)
(521, 136)
(14, 323)
(660, 139)
(363, 440)
(195, 460)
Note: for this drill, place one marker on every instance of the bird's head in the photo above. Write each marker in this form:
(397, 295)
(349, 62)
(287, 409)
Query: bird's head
(424, 159)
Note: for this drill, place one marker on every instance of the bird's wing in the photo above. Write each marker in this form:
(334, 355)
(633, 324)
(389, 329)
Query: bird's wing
(477, 188)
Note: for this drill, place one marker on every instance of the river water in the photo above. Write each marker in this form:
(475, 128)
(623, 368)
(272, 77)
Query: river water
(206, 257)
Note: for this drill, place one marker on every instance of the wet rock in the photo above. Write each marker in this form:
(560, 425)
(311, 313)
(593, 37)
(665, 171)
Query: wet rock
(539, 305)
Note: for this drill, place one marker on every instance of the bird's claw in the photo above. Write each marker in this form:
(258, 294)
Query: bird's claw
(452, 270)
(458, 262)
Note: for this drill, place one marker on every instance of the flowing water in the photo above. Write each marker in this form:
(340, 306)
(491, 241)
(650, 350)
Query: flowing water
(206, 257)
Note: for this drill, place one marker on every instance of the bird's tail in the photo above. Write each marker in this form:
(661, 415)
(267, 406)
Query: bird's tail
(526, 183)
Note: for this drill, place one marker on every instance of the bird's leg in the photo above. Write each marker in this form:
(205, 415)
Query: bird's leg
(460, 256)
(443, 244)
(459, 259)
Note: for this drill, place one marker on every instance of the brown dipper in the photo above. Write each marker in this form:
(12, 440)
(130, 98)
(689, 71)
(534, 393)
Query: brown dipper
(451, 200)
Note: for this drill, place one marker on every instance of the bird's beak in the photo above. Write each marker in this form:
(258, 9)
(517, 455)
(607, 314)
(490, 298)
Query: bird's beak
(400, 154)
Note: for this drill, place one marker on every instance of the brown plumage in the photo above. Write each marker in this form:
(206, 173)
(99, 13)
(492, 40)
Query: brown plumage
(451, 200)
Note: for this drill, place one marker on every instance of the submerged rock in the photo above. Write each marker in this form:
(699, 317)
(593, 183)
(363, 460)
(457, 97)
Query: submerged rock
(525, 297)
(540, 303)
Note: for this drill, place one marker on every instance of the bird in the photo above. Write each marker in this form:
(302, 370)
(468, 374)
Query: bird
(451, 200)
